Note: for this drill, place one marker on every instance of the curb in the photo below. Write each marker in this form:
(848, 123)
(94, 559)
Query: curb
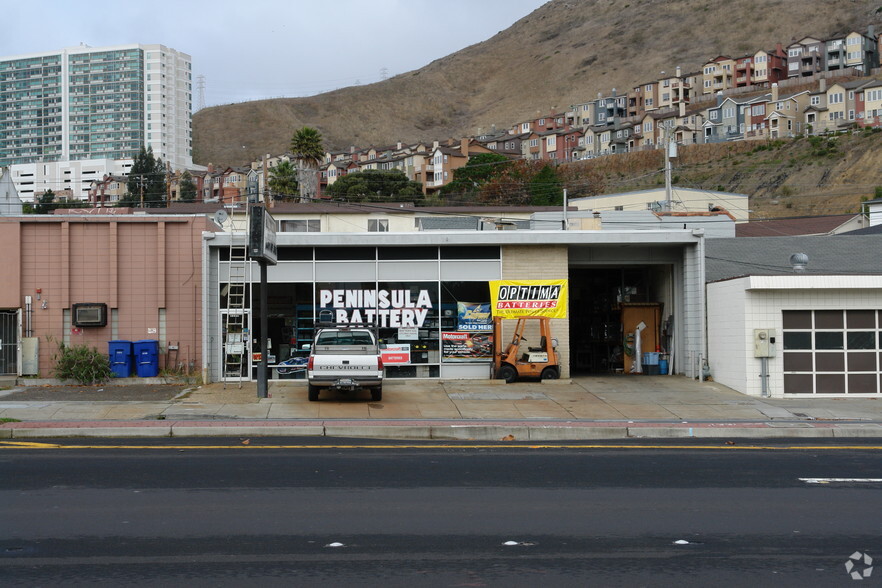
(443, 430)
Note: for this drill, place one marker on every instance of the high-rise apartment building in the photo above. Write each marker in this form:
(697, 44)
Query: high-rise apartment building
(68, 117)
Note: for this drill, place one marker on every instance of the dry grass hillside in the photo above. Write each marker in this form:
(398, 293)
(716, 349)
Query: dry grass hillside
(563, 53)
(807, 176)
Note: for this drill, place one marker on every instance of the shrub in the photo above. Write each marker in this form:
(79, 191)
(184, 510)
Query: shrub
(84, 365)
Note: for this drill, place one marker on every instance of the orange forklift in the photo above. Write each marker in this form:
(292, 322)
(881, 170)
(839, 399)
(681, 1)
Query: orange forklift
(542, 361)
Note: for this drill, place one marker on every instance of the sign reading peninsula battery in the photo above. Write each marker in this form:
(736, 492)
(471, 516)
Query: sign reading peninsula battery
(513, 298)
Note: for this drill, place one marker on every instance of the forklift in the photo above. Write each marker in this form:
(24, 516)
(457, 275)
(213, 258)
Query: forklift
(542, 361)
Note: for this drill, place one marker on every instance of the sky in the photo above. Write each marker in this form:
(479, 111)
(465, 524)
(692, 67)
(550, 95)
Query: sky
(250, 50)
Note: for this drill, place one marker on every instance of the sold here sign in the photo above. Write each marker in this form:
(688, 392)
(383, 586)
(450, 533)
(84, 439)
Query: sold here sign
(514, 298)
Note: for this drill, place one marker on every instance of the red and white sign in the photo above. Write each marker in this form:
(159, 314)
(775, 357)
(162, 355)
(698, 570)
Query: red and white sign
(395, 354)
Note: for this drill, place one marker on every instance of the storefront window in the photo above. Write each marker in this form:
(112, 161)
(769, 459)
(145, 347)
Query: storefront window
(466, 324)
(289, 325)
(406, 314)
(422, 323)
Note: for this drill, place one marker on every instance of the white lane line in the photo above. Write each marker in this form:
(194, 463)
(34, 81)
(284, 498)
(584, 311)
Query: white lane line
(841, 480)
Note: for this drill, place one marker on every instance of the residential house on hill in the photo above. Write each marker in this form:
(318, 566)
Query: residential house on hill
(642, 98)
(805, 57)
(769, 67)
(855, 51)
(108, 190)
(868, 104)
(785, 116)
(718, 75)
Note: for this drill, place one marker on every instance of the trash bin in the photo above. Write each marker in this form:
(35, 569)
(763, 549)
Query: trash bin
(650, 358)
(120, 358)
(147, 358)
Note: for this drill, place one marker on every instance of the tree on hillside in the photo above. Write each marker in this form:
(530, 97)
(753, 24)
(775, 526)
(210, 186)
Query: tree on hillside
(375, 184)
(581, 180)
(511, 185)
(545, 188)
(306, 146)
(283, 181)
(187, 187)
(146, 177)
(479, 170)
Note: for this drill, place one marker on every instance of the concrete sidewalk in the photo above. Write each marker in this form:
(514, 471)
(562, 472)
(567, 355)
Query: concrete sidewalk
(607, 407)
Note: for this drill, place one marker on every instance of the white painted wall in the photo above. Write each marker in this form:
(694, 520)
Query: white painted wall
(737, 307)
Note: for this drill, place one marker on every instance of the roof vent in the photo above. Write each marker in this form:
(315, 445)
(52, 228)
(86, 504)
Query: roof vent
(799, 261)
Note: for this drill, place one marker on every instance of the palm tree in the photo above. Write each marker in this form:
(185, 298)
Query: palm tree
(283, 180)
(306, 146)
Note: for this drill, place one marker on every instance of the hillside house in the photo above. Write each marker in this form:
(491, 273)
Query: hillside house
(805, 57)
(108, 190)
(718, 74)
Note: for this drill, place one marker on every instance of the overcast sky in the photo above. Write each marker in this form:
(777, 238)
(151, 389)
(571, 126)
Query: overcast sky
(265, 49)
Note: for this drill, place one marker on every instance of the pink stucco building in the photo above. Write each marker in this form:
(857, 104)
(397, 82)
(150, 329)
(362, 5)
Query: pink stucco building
(145, 269)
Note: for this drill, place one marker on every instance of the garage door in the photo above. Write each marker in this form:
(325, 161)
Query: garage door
(832, 351)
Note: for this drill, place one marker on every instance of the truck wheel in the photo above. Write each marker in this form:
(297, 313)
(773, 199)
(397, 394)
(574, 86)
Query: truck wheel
(376, 394)
(313, 393)
(550, 373)
(508, 373)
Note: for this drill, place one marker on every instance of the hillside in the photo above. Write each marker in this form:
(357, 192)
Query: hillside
(563, 53)
(566, 52)
(800, 177)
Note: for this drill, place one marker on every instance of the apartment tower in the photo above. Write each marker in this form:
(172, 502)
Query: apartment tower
(68, 117)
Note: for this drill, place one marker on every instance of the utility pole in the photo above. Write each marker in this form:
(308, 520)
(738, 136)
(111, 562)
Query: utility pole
(566, 220)
(267, 201)
(168, 177)
(670, 151)
(141, 185)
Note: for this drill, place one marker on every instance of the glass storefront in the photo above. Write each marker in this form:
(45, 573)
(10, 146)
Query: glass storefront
(423, 324)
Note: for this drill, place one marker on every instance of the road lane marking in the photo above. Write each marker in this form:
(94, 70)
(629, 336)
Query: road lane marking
(501, 445)
(841, 480)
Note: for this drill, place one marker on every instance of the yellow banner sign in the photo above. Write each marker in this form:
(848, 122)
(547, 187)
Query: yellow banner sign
(513, 298)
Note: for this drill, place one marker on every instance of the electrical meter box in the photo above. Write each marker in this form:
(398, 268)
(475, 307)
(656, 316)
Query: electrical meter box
(764, 342)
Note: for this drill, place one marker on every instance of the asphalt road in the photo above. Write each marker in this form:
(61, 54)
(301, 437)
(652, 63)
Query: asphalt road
(319, 512)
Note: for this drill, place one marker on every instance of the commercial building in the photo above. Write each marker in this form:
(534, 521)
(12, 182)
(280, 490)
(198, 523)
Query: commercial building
(415, 283)
(796, 316)
(139, 274)
(69, 117)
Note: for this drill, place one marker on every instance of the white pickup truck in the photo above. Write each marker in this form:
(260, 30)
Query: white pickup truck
(345, 358)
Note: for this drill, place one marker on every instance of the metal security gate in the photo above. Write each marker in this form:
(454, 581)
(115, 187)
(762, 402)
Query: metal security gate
(9, 331)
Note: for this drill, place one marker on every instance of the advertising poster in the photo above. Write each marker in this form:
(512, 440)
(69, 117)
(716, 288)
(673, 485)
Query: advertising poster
(473, 316)
(395, 353)
(466, 346)
(512, 299)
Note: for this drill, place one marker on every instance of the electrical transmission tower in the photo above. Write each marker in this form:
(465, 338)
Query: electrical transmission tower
(200, 92)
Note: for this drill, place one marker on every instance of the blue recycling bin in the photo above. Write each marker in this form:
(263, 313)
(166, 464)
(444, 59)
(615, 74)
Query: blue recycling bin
(120, 358)
(147, 358)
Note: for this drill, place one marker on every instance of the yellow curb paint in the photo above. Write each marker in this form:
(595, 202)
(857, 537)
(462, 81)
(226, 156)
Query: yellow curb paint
(508, 446)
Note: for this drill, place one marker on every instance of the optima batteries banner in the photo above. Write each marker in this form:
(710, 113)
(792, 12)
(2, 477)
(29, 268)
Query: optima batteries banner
(529, 298)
